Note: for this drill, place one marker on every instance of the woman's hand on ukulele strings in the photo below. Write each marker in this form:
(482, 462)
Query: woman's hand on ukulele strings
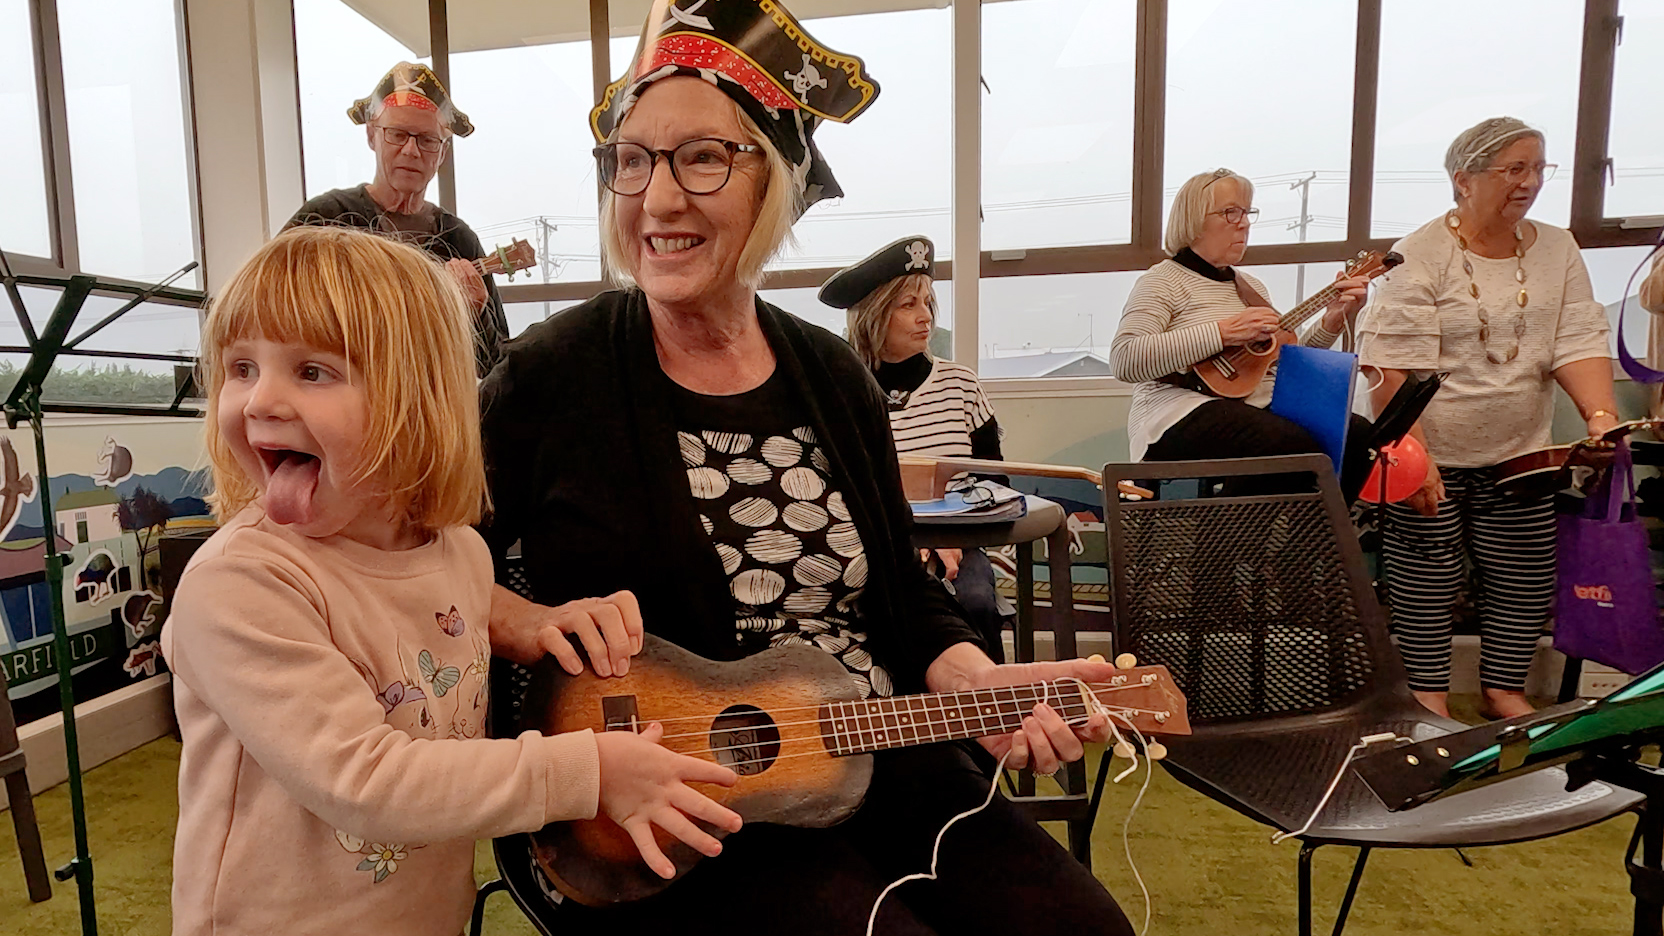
(644, 784)
(1248, 326)
(1354, 291)
(1046, 741)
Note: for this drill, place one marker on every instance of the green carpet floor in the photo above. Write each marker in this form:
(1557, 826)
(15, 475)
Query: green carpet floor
(1209, 870)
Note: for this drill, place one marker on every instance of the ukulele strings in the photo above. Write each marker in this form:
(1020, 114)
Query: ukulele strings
(1071, 721)
(1030, 690)
(882, 726)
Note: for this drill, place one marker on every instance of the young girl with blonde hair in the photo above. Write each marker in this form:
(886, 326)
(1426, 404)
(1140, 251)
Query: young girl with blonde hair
(330, 644)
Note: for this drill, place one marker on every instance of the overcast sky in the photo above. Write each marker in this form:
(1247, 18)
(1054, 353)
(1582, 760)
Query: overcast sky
(1261, 86)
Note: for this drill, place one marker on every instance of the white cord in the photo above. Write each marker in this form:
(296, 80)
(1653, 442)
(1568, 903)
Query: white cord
(1364, 742)
(1095, 706)
(935, 850)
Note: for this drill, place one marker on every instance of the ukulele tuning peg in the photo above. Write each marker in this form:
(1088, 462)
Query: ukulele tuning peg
(1126, 661)
(1095, 658)
(1155, 750)
(1124, 749)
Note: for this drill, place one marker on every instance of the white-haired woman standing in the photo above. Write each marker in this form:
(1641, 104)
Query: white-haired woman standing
(1503, 305)
(732, 467)
(1192, 306)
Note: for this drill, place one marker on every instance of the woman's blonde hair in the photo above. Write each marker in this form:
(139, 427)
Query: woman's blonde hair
(404, 325)
(778, 209)
(869, 319)
(1192, 204)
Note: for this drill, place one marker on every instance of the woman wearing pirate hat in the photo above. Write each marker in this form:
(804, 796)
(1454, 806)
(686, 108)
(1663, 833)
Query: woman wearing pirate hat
(733, 468)
(937, 407)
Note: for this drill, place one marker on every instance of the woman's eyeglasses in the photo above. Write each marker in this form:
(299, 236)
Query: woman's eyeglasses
(700, 167)
(1517, 172)
(397, 138)
(1235, 215)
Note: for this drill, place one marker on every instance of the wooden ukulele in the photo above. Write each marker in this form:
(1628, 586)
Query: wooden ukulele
(1549, 469)
(790, 723)
(1236, 372)
(516, 256)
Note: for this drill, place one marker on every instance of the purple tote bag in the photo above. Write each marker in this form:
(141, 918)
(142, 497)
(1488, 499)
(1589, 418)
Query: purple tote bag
(1605, 609)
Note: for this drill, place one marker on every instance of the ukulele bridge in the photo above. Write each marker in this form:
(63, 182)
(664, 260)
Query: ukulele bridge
(618, 713)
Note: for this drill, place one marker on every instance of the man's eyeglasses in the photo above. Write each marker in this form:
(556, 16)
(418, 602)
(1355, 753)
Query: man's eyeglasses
(1517, 172)
(1235, 215)
(700, 167)
(397, 138)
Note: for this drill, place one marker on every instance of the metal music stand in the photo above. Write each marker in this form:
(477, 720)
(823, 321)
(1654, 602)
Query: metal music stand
(24, 403)
(1595, 740)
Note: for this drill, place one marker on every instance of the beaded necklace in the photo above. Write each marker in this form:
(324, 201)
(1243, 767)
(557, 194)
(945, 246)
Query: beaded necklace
(1473, 290)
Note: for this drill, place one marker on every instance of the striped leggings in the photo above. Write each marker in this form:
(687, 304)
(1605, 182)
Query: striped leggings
(1510, 543)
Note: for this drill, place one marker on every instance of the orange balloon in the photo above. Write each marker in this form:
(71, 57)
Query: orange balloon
(1406, 469)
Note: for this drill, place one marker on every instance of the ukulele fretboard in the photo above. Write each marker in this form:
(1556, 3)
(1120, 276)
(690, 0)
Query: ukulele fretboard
(876, 724)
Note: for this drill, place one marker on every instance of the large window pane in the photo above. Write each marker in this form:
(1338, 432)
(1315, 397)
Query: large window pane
(1057, 122)
(1050, 326)
(124, 88)
(526, 172)
(523, 315)
(339, 56)
(1636, 141)
(1445, 67)
(1228, 104)
(1610, 271)
(24, 226)
(893, 161)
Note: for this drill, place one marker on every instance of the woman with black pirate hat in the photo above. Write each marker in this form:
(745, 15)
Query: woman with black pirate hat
(732, 467)
(937, 407)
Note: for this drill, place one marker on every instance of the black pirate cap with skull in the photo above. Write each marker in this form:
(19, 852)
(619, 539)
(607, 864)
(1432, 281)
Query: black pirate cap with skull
(853, 283)
(408, 84)
(756, 52)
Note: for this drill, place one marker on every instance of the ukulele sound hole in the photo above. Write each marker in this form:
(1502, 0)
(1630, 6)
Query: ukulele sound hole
(745, 740)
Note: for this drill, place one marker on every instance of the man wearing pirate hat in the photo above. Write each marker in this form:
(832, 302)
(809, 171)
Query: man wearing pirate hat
(409, 121)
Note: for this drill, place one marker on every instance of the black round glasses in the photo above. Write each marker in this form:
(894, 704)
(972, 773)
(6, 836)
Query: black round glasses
(700, 167)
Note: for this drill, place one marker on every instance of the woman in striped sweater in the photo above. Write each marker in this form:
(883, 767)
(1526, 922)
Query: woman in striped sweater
(937, 407)
(1188, 308)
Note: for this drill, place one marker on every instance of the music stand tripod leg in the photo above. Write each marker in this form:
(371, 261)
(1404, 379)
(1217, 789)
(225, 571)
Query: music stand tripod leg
(1646, 879)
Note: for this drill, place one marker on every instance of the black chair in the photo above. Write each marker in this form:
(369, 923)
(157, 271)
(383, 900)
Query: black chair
(13, 768)
(1261, 609)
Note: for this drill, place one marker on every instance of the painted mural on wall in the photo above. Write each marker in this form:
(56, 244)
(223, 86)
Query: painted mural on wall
(119, 487)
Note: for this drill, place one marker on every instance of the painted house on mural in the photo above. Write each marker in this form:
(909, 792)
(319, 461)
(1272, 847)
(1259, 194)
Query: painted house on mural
(101, 573)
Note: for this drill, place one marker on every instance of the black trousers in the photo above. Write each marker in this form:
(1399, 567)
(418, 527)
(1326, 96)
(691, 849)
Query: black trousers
(1234, 429)
(1000, 873)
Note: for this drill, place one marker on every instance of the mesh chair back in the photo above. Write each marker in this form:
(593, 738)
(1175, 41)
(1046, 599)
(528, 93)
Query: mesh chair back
(1258, 605)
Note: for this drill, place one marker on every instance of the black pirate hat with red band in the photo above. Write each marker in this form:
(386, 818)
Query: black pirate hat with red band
(756, 52)
(410, 85)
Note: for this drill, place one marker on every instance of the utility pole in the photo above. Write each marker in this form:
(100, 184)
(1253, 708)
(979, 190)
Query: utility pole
(544, 228)
(1305, 187)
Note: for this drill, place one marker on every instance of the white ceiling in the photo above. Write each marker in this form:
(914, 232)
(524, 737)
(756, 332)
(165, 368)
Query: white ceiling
(476, 25)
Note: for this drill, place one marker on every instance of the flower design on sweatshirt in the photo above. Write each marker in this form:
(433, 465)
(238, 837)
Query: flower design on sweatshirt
(380, 857)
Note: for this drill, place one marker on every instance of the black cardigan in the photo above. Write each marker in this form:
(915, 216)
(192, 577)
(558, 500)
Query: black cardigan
(585, 472)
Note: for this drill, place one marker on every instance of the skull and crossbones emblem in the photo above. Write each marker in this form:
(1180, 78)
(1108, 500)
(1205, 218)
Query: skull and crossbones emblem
(808, 77)
(688, 17)
(918, 255)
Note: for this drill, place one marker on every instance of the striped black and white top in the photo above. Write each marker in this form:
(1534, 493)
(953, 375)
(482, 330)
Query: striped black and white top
(1170, 323)
(938, 409)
